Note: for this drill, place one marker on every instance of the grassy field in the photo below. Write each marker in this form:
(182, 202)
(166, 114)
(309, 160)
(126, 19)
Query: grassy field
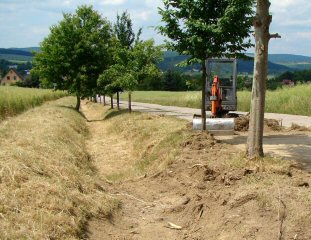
(294, 100)
(49, 185)
(14, 100)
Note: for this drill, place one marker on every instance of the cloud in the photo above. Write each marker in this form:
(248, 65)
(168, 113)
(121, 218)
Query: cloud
(112, 2)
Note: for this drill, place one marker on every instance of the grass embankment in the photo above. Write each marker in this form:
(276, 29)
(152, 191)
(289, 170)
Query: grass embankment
(14, 100)
(144, 142)
(49, 187)
(294, 100)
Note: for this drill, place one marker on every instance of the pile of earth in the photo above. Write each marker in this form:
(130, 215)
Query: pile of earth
(241, 124)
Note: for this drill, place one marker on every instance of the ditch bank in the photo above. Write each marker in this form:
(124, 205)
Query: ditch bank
(49, 185)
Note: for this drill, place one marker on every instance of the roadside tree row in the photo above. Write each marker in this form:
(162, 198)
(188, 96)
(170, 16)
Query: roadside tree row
(88, 55)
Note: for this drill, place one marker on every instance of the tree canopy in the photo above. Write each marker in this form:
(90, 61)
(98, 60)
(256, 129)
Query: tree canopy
(202, 29)
(75, 52)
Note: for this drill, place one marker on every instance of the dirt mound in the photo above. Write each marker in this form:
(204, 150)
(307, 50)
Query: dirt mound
(296, 127)
(200, 140)
(242, 124)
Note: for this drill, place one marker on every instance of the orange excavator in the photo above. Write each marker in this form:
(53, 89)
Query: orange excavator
(216, 98)
(221, 96)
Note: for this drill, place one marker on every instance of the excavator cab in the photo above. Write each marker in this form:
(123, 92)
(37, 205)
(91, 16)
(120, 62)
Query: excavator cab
(226, 72)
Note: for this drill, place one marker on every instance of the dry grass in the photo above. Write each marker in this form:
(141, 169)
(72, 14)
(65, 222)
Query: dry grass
(49, 186)
(144, 142)
(14, 100)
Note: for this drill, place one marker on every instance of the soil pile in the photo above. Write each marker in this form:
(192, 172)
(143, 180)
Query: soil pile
(242, 124)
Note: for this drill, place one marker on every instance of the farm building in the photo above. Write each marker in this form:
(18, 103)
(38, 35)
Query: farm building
(11, 77)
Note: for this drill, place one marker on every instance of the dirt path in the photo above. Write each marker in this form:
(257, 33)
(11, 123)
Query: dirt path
(143, 208)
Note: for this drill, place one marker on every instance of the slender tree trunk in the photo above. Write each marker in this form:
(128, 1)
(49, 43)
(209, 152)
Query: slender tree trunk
(78, 102)
(104, 100)
(130, 102)
(100, 98)
(95, 98)
(111, 101)
(262, 22)
(203, 107)
(118, 100)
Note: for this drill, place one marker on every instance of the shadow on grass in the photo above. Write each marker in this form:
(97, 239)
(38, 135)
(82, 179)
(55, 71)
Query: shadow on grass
(113, 113)
(74, 109)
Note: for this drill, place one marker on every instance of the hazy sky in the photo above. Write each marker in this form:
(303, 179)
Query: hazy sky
(24, 23)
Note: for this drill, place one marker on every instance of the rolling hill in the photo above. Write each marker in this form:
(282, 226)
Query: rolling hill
(173, 58)
(278, 63)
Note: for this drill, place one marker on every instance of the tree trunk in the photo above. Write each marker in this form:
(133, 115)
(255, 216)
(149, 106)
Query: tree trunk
(203, 107)
(78, 102)
(104, 100)
(111, 101)
(118, 100)
(262, 22)
(95, 98)
(130, 102)
(100, 98)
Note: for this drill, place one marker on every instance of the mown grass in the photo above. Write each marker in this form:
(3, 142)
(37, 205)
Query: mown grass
(14, 100)
(294, 100)
(49, 186)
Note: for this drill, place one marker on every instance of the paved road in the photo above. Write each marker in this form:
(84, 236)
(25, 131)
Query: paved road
(293, 146)
(187, 113)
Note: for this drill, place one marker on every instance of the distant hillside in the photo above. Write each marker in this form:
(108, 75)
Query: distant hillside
(5, 51)
(173, 58)
(18, 55)
(294, 62)
(29, 49)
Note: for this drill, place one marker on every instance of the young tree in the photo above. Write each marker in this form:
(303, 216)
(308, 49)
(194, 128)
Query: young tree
(131, 66)
(262, 22)
(75, 52)
(207, 29)
(126, 38)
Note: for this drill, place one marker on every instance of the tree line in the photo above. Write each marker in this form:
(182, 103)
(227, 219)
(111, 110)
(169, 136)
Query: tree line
(88, 55)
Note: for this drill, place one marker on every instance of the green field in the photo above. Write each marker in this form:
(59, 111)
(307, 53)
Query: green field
(294, 100)
(14, 100)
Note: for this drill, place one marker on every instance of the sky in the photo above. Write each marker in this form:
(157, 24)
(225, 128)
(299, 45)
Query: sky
(25, 23)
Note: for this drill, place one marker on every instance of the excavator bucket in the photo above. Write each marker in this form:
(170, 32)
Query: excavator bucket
(215, 126)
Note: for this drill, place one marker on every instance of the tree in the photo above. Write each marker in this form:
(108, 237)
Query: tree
(124, 31)
(207, 29)
(262, 22)
(75, 52)
(131, 66)
(126, 37)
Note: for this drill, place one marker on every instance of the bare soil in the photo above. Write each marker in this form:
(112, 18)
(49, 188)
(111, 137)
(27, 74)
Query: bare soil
(209, 192)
